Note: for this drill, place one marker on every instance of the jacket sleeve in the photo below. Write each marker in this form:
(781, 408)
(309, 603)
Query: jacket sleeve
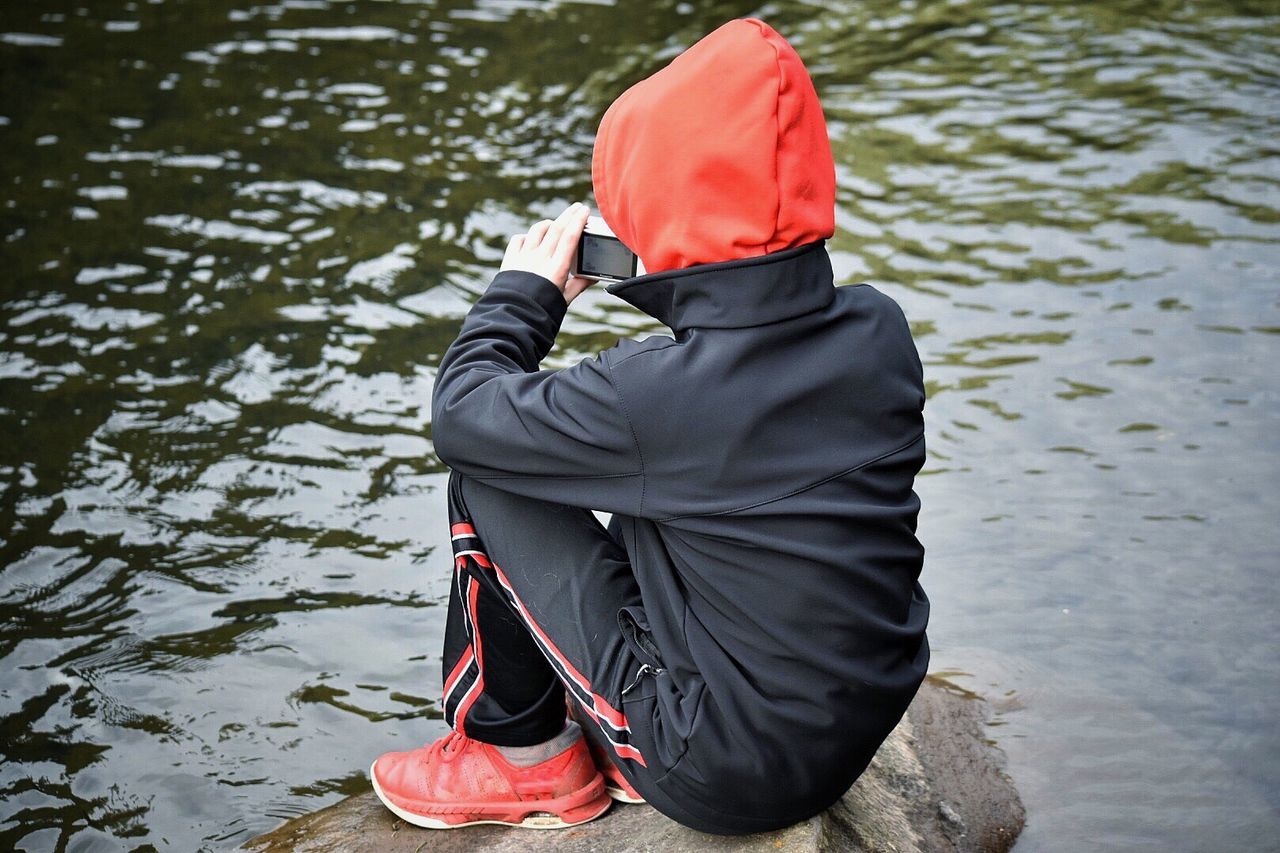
(558, 435)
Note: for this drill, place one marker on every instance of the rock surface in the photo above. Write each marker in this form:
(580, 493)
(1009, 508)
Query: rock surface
(936, 784)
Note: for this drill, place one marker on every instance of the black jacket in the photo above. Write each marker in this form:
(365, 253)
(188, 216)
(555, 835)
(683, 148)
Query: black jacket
(761, 464)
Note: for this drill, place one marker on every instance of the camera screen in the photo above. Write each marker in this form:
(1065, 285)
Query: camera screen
(606, 256)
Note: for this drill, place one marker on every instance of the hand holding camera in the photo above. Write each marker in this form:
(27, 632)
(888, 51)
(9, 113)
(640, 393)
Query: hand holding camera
(556, 249)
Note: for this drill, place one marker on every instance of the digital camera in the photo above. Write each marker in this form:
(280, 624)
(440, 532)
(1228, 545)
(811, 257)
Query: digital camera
(602, 256)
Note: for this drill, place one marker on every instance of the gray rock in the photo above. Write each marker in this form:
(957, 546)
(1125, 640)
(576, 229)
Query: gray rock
(937, 784)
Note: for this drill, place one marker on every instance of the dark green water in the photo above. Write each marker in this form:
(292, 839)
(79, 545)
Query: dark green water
(237, 238)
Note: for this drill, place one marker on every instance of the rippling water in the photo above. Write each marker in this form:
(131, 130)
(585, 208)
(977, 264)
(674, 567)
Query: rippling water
(237, 239)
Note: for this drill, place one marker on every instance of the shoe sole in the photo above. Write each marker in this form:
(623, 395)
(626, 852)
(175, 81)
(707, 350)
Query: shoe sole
(621, 796)
(537, 819)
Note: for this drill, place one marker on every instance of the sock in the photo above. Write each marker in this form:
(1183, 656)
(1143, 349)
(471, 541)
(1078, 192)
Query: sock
(527, 756)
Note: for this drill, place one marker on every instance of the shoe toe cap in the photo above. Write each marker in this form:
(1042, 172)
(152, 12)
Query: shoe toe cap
(394, 772)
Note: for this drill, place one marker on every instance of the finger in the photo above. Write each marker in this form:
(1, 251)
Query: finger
(555, 232)
(536, 233)
(514, 245)
(569, 214)
(576, 220)
(551, 239)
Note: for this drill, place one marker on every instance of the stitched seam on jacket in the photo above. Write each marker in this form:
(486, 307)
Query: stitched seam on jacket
(626, 413)
(657, 348)
(800, 490)
(553, 476)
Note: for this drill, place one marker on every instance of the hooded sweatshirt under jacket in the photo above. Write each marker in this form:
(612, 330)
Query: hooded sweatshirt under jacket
(761, 459)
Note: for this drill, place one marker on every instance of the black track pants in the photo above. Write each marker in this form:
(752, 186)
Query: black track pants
(542, 606)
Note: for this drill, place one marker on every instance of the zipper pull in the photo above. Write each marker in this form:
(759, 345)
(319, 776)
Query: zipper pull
(644, 667)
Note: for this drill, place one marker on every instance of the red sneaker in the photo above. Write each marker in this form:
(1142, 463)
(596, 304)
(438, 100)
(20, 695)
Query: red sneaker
(458, 781)
(615, 783)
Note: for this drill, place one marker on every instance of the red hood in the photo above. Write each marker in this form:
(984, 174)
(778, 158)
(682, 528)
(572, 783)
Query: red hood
(722, 154)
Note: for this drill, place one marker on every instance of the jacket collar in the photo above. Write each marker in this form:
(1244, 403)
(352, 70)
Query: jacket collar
(737, 293)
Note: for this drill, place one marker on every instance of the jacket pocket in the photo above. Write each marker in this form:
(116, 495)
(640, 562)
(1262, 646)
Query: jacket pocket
(670, 718)
(634, 626)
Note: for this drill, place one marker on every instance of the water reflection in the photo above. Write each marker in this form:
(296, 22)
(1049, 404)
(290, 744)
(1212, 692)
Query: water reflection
(237, 239)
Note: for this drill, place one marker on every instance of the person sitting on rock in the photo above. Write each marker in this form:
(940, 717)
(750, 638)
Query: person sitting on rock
(749, 627)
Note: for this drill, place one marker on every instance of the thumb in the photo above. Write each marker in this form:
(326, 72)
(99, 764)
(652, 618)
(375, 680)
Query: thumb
(575, 286)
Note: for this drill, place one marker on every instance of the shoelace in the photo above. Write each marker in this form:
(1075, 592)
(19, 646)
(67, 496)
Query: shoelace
(447, 748)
